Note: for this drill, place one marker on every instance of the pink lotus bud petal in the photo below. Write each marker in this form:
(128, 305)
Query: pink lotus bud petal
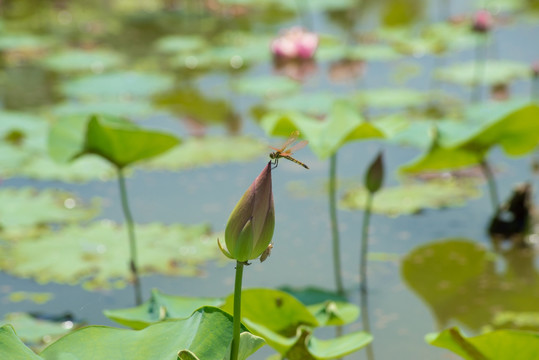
(250, 227)
(482, 21)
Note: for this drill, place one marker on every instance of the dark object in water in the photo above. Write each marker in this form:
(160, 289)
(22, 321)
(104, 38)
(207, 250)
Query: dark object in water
(511, 221)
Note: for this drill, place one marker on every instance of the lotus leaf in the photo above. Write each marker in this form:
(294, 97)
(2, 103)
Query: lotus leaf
(77, 60)
(158, 308)
(334, 313)
(23, 42)
(206, 335)
(122, 107)
(24, 211)
(22, 130)
(180, 44)
(492, 72)
(268, 86)
(123, 144)
(513, 126)
(286, 325)
(117, 85)
(412, 198)
(37, 332)
(35, 297)
(96, 255)
(389, 98)
(196, 152)
(344, 123)
(495, 345)
(314, 104)
(42, 167)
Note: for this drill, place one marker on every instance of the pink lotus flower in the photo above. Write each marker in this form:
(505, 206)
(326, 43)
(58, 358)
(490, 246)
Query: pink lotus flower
(482, 21)
(295, 43)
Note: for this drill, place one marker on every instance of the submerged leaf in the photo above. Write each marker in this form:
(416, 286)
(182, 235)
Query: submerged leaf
(96, 255)
(412, 198)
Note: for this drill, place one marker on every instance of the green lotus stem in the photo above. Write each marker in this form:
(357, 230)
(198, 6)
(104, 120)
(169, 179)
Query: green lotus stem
(132, 240)
(365, 243)
(489, 175)
(364, 306)
(234, 349)
(334, 224)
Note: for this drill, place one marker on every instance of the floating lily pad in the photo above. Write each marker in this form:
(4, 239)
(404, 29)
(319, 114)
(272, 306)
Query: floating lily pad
(96, 255)
(492, 72)
(30, 130)
(117, 85)
(309, 103)
(211, 150)
(42, 167)
(23, 42)
(122, 107)
(24, 209)
(413, 198)
(180, 44)
(37, 332)
(35, 297)
(158, 308)
(268, 86)
(390, 98)
(78, 60)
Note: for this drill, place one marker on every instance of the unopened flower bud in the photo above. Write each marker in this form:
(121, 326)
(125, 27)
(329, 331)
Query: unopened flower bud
(250, 227)
(482, 21)
(375, 174)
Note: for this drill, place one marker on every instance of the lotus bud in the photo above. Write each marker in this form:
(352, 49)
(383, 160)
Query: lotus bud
(250, 227)
(295, 43)
(375, 174)
(482, 21)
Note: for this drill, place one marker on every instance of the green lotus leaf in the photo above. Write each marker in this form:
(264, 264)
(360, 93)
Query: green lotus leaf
(22, 130)
(12, 347)
(78, 60)
(180, 44)
(23, 42)
(158, 308)
(412, 198)
(35, 297)
(313, 295)
(117, 85)
(344, 123)
(37, 332)
(24, 211)
(372, 52)
(190, 103)
(390, 98)
(123, 144)
(513, 126)
(207, 334)
(495, 345)
(96, 255)
(42, 167)
(209, 150)
(334, 313)
(314, 104)
(267, 86)
(121, 107)
(493, 72)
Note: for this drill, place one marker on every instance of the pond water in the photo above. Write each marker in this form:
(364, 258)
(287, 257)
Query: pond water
(442, 284)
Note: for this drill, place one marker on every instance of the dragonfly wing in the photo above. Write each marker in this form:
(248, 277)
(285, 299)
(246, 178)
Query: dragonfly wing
(298, 146)
(293, 136)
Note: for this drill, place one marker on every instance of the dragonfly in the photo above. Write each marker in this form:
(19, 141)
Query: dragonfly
(285, 153)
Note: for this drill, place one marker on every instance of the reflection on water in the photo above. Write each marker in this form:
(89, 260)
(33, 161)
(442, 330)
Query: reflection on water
(463, 282)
